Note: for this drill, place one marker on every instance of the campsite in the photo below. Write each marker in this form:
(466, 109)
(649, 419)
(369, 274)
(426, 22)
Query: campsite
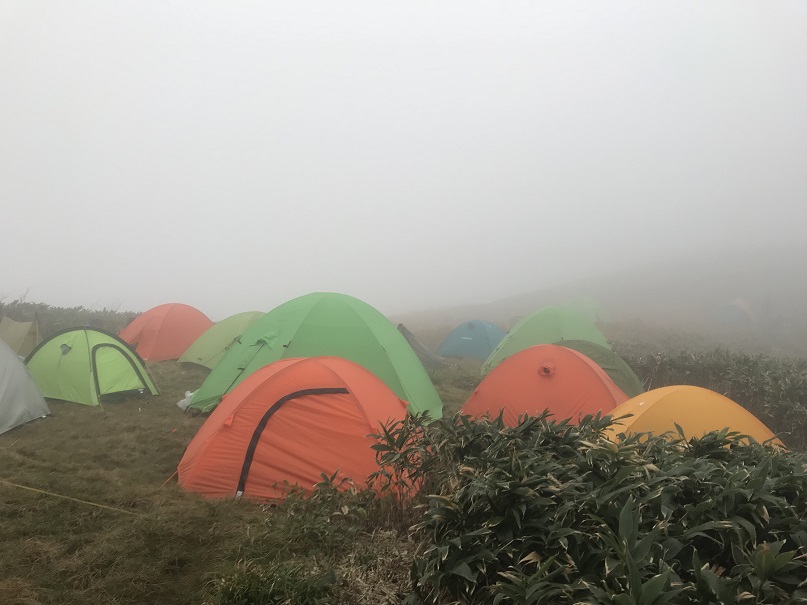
(403, 303)
(116, 494)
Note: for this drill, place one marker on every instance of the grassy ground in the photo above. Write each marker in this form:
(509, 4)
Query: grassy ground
(175, 545)
(120, 455)
(165, 546)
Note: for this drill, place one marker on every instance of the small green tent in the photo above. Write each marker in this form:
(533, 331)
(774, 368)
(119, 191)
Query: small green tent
(547, 326)
(209, 348)
(85, 365)
(613, 365)
(322, 324)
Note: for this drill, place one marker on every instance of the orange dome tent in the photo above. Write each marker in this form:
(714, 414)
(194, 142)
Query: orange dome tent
(696, 410)
(286, 424)
(166, 331)
(544, 377)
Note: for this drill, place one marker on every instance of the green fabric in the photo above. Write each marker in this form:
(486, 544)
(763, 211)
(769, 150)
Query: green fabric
(64, 367)
(613, 365)
(209, 348)
(588, 307)
(547, 326)
(324, 324)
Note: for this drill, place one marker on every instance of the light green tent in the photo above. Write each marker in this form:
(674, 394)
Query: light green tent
(21, 336)
(588, 307)
(85, 365)
(547, 326)
(209, 348)
(613, 365)
(322, 324)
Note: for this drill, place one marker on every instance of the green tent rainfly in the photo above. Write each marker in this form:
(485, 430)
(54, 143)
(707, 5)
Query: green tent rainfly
(547, 326)
(318, 324)
(209, 348)
(589, 307)
(85, 365)
(613, 365)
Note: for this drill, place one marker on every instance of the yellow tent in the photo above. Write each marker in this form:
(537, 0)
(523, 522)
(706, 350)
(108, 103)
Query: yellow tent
(697, 411)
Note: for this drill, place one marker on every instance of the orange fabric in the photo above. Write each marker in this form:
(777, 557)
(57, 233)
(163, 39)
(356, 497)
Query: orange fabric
(165, 332)
(696, 410)
(305, 437)
(544, 377)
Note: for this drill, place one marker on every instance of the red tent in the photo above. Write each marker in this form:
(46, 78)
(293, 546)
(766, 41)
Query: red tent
(166, 331)
(286, 424)
(545, 377)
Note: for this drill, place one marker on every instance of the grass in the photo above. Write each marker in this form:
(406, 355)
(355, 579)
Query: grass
(177, 547)
(172, 547)
(119, 456)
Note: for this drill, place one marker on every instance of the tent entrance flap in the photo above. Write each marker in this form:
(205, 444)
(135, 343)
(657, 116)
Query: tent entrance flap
(256, 436)
(114, 371)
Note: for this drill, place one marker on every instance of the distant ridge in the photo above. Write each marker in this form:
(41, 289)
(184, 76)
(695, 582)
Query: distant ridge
(680, 293)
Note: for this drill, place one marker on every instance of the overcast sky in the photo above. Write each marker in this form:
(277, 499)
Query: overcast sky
(233, 155)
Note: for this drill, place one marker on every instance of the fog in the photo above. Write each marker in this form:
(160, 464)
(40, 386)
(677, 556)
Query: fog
(417, 155)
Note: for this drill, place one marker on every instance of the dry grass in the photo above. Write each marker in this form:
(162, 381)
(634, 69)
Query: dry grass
(456, 383)
(175, 545)
(120, 455)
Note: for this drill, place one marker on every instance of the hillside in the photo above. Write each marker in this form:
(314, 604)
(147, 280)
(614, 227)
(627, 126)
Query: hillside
(675, 295)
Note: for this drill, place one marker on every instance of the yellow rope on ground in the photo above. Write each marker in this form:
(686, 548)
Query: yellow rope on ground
(42, 491)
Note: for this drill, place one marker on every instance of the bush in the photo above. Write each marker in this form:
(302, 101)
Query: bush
(329, 547)
(55, 319)
(281, 584)
(548, 512)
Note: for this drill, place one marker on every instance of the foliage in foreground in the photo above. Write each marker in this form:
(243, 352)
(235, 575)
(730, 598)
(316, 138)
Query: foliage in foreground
(340, 546)
(549, 512)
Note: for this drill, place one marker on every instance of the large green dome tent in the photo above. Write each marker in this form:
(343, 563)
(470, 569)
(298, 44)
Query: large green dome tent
(474, 339)
(85, 365)
(547, 326)
(209, 348)
(20, 400)
(613, 365)
(324, 324)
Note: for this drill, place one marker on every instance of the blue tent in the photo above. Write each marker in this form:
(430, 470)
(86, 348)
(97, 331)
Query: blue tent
(473, 340)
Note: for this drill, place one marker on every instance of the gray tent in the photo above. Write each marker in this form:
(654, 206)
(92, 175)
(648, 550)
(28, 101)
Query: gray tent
(20, 400)
(430, 361)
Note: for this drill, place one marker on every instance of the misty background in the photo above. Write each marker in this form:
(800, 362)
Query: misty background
(421, 156)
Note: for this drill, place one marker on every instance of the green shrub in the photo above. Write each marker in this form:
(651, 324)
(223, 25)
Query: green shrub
(548, 512)
(54, 319)
(324, 523)
(281, 583)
